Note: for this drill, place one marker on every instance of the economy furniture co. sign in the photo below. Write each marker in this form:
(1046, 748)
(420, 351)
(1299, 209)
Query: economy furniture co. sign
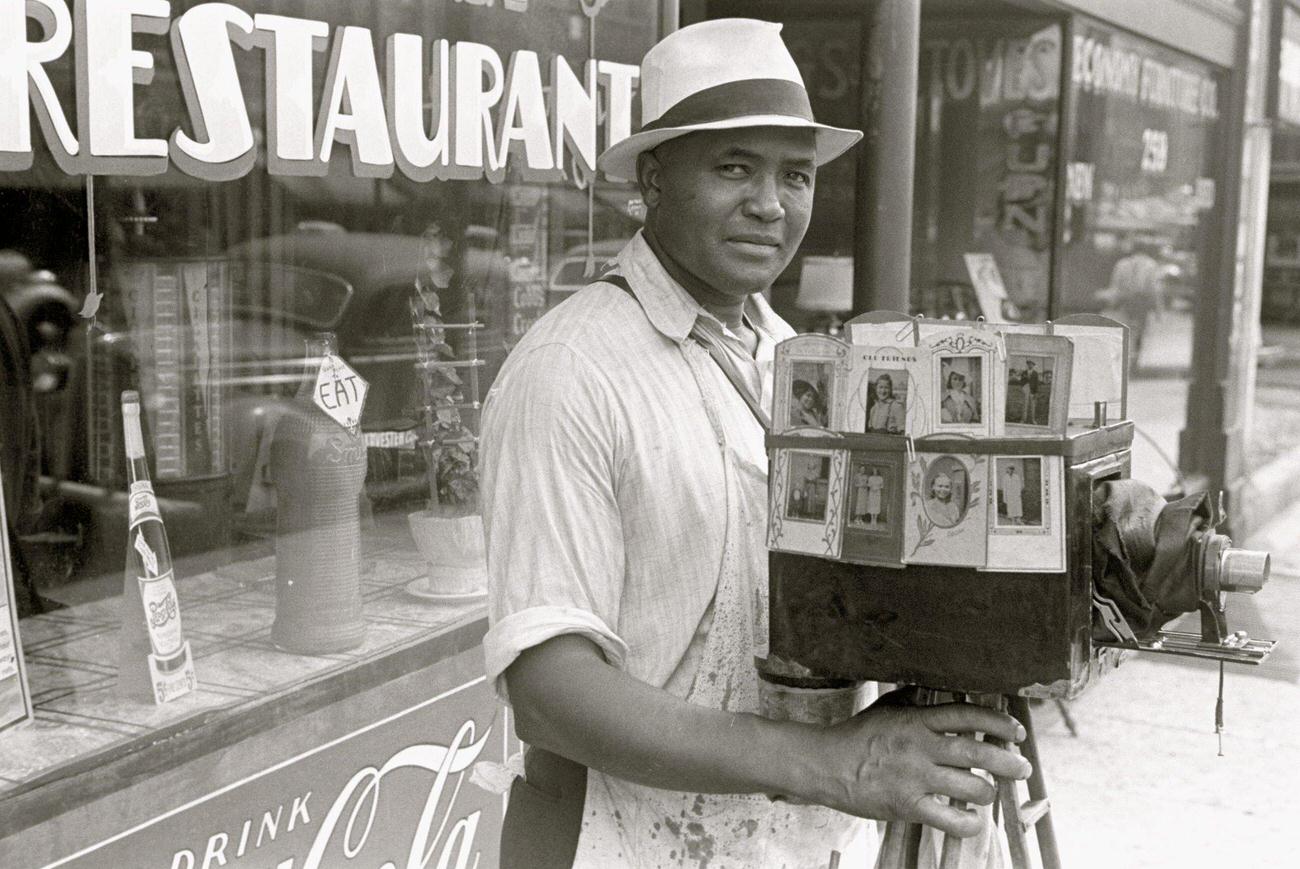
(429, 109)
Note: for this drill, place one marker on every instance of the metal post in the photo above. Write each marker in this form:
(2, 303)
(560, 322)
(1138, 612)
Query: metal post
(883, 233)
(1212, 444)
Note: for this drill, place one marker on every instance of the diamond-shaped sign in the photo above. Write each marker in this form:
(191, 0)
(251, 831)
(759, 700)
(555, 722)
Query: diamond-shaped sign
(340, 391)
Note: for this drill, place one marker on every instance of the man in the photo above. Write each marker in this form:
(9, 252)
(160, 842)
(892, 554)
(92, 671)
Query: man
(1029, 393)
(887, 412)
(939, 504)
(1136, 292)
(1013, 491)
(625, 504)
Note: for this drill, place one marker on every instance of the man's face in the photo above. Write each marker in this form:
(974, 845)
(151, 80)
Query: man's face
(941, 488)
(730, 207)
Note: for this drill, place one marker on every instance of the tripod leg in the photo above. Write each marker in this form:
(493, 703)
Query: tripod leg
(952, 846)
(1019, 708)
(900, 848)
(1009, 800)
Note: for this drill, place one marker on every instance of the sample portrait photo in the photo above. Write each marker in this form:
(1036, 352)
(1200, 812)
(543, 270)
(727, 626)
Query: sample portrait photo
(807, 487)
(870, 486)
(944, 490)
(887, 401)
(810, 393)
(961, 401)
(1020, 493)
(1029, 390)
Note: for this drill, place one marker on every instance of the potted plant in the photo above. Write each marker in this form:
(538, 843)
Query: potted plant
(449, 533)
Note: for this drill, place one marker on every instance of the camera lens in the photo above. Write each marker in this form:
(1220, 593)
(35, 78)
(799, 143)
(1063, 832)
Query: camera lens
(1243, 570)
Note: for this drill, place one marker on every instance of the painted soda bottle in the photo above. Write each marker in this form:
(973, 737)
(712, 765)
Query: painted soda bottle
(319, 468)
(154, 660)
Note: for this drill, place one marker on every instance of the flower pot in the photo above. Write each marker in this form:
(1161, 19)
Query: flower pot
(454, 549)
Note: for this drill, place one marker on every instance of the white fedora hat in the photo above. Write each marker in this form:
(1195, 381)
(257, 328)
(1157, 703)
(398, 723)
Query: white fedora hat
(721, 75)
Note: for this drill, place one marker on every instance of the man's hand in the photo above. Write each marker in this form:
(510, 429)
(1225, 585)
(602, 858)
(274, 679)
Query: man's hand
(892, 761)
(887, 762)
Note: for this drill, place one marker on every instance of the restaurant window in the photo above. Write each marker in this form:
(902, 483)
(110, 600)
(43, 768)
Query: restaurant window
(988, 114)
(294, 199)
(1141, 192)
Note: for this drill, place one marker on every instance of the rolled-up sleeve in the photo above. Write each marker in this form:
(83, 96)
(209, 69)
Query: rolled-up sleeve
(551, 431)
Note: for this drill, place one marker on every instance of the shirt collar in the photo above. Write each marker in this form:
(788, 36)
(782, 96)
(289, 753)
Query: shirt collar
(671, 309)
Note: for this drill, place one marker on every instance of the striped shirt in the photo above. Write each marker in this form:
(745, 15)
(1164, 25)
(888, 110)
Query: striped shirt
(604, 501)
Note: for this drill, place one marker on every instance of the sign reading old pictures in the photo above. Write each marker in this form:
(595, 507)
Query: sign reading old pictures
(946, 511)
(873, 516)
(1026, 514)
(811, 375)
(806, 501)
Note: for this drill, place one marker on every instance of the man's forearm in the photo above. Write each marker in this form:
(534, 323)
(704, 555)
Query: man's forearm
(609, 721)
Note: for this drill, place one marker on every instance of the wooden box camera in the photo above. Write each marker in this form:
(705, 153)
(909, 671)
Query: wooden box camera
(960, 629)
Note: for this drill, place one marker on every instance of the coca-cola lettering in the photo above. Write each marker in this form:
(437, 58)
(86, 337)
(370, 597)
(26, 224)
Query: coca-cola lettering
(439, 840)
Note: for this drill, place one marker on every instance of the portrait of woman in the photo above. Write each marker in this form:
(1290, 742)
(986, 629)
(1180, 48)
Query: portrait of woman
(961, 402)
(807, 408)
(944, 492)
(886, 408)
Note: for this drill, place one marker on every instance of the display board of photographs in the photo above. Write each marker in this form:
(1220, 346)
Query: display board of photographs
(1095, 357)
(919, 380)
(959, 382)
(866, 506)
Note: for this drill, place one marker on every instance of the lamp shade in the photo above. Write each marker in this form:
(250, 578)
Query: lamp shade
(826, 284)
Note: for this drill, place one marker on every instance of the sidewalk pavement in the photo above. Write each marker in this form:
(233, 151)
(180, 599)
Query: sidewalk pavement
(1142, 784)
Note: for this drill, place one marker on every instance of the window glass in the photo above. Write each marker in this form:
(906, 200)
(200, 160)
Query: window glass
(1141, 192)
(302, 197)
(986, 160)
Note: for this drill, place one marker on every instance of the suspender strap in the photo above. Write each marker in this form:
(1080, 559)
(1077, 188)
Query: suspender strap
(720, 358)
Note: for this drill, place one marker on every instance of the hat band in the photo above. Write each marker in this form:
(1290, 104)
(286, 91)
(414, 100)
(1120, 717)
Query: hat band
(737, 99)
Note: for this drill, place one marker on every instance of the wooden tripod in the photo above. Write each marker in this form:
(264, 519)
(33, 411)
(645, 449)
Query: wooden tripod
(901, 846)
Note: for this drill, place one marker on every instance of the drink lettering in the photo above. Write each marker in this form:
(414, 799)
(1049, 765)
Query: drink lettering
(439, 840)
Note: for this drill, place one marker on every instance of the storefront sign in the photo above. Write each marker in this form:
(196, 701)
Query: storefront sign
(1102, 67)
(340, 392)
(428, 109)
(394, 793)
